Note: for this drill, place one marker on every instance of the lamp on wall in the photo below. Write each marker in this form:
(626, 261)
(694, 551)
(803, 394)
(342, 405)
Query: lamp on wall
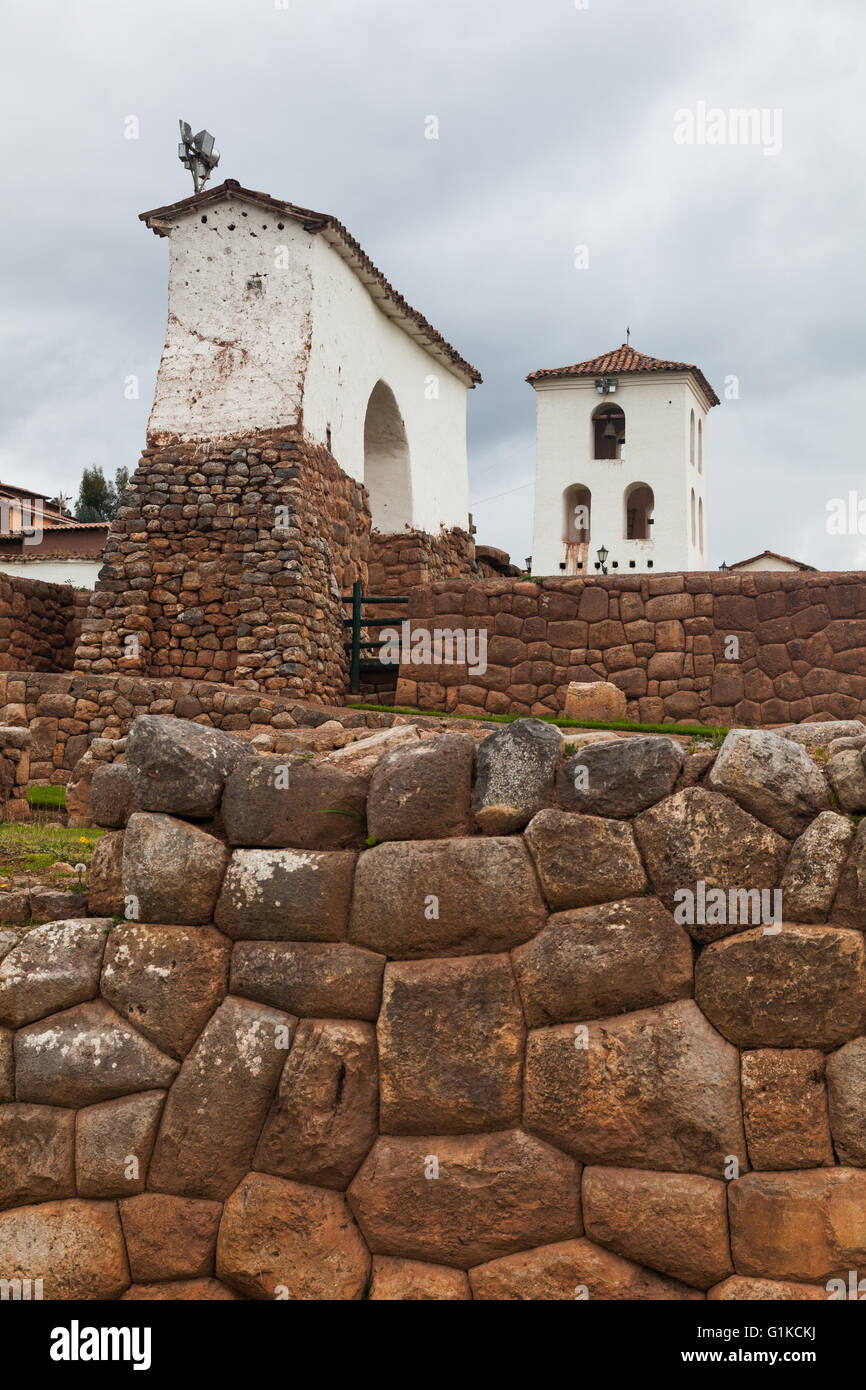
(723, 566)
(602, 554)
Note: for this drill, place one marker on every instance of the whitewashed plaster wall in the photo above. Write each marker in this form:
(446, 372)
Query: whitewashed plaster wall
(268, 326)
(354, 346)
(81, 574)
(657, 408)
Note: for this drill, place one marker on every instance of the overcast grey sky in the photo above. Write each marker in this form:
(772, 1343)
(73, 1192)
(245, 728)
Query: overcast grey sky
(556, 129)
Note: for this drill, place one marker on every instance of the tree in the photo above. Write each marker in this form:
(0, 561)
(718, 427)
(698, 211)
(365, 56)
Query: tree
(98, 499)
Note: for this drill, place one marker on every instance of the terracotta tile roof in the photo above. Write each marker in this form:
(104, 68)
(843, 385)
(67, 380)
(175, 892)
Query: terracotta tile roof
(772, 555)
(159, 219)
(624, 361)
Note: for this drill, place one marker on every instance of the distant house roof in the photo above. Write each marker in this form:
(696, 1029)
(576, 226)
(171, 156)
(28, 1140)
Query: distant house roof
(772, 555)
(624, 361)
(390, 302)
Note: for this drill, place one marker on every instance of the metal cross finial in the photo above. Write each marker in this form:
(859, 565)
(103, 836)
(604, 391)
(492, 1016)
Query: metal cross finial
(627, 336)
(197, 153)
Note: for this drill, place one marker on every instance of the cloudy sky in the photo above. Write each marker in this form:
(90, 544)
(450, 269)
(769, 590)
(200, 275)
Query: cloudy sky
(556, 130)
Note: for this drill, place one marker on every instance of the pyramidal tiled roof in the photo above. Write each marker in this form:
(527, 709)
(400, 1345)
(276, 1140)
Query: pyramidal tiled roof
(623, 361)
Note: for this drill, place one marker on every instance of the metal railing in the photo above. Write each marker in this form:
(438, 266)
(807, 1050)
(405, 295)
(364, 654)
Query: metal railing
(354, 645)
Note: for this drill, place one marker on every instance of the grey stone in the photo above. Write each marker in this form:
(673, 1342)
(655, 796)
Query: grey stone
(181, 767)
(848, 779)
(772, 778)
(619, 778)
(423, 791)
(582, 860)
(112, 798)
(84, 1055)
(516, 768)
(276, 802)
(814, 868)
(846, 1086)
(174, 871)
(309, 978)
(52, 968)
(286, 894)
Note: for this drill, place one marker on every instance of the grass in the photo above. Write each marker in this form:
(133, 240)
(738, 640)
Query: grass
(53, 798)
(709, 732)
(34, 847)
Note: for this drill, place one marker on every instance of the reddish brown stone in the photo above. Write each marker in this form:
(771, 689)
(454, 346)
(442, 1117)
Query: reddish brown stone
(737, 1288)
(324, 1117)
(105, 896)
(76, 1248)
(675, 1223)
(494, 1194)
(187, 1290)
(450, 1041)
(659, 1088)
(167, 981)
(571, 1269)
(322, 979)
(582, 860)
(113, 1144)
(169, 1237)
(409, 1280)
(285, 1240)
(37, 1154)
(785, 1109)
(808, 1226)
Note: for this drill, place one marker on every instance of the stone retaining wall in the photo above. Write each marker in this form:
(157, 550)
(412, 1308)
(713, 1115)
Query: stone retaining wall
(39, 623)
(664, 640)
(226, 562)
(423, 1018)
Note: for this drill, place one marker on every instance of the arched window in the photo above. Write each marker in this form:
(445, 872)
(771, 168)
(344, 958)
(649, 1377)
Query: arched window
(608, 432)
(386, 462)
(577, 504)
(701, 524)
(700, 446)
(692, 438)
(639, 505)
(693, 516)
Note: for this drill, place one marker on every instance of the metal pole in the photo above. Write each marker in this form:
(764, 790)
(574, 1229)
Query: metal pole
(355, 677)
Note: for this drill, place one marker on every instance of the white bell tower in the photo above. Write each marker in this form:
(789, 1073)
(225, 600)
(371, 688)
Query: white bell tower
(620, 466)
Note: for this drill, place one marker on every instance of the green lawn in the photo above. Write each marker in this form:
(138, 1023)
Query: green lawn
(709, 732)
(33, 848)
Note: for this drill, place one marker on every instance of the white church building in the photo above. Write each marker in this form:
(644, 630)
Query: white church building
(277, 318)
(620, 466)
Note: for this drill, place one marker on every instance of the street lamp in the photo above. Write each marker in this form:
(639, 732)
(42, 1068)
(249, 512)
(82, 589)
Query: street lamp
(723, 566)
(602, 554)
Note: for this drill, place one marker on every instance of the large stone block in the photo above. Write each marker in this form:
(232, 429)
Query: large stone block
(112, 797)
(458, 1200)
(166, 981)
(105, 895)
(37, 1154)
(282, 1239)
(808, 1226)
(654, 1089)
(324, 1117)
(309, 978)
(849, 905)
(423, 791)
(437, 898)
(7, 1065)
(85, 1055)
(801, 986)
(51, 968)
(785, 1108)
(598, 961)
(516, 768)
(173, 870)
(76, 1248)
(450, 1040)
(846, 1084)
(771, 777)
(169, 1237)
(572, 1269)
(113, 1144)
(411, 1281)
(594, 702)
(583, 860)
(217, 1106)
(675, 1223)
(620, 777)
(180, 767)
(697, 836)
(737, 1289)
(814, 868)
(272, 802)
(286, 895)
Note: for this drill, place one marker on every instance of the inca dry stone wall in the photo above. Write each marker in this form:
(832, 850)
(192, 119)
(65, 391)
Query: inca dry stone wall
(226, 562)
(434, 1016)
(39, 623)
(665, 640)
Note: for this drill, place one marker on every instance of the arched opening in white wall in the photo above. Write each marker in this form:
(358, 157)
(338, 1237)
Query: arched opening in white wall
(692, 437)
(701, 525)
(387, 477)
(639, 506)
(700, 446)
(608, 432)
(576, 516)
(693, 517)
